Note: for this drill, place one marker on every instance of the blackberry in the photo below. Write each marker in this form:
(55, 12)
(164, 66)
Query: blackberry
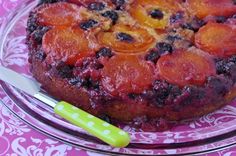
(194, 25)
(119, 3)
(112, 15)
(132, 96)
(32, 23)
(76, 81)
(97, 6)
(233, 59)
(190, 95)
(124, 37)
(221, 19)
(164, 48)
(86, 25)
(159, 94)
(89, 83)
(106, 118)
(159, 86)
(64, 70)
(153, 56)
(172, 38)
(104, 52)
(176, 17)
(234, 2)
(40, 55)
(39, 32)
(156, 14)
(218, 84)
(227, 67)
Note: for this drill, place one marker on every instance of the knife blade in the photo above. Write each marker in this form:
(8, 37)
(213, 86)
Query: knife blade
(104, 131)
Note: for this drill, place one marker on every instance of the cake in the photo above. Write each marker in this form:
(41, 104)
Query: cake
(136, 60)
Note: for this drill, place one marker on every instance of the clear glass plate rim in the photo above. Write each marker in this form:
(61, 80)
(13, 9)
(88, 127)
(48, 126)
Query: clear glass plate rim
(203, 129)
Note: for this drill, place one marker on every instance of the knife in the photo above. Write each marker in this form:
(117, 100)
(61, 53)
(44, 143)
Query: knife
(104, 131)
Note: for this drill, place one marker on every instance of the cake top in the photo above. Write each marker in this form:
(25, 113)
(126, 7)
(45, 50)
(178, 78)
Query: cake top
(139, 41)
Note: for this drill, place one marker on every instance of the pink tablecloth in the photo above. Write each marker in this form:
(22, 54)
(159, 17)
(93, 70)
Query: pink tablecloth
(17, 138)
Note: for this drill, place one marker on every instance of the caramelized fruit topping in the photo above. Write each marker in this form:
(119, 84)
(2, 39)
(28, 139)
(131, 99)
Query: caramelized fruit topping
(155, 14)
(126, 39)
(66, 44)
(185, 68)
(203, 8)
(217, 39)
(127, 74)
(58, 14)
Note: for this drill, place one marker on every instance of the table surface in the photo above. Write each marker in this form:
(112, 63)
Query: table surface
(17, 138)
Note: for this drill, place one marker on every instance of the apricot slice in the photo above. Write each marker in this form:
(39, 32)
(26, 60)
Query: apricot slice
(185, 68)
(65, 44)
(127, 74)
(203, 8)
(127, 39)
(155, 14)
(217, 39)
(58, 14)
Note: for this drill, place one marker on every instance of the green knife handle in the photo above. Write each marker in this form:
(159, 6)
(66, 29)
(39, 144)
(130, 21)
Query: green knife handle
(106, 132)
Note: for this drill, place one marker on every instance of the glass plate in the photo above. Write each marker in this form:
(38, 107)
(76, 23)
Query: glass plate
(209, 133)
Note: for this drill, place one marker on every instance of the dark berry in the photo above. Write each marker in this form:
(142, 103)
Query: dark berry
(106, 118)
(234, 2)
(161, 92)
(64, 70)
(32, 23)
(227, 67)
(119, 3)
(39, 32)
(156, 14)
(76, 81)
(104, 52)
(233, 59)
(218, 84)
(88, 24)
(132, 96)
(40, 55)
(153, 56)
(173, 38)
(124, 37)
(221, 67)
(221, 19)
(176, 17)
(97, 6)
(112, 15)
(90, 84)
(164, 48)
(234, 16)
(194, 25)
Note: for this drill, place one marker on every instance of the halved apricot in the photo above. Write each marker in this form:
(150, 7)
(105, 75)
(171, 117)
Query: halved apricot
(155, 14)
(185, 68)
(58, 14)
(65, 44)
(203, 8)
(127, 39)
(127, 74)
(217, 39)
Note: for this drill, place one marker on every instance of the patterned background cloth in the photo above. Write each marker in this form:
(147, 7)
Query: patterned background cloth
(18, 139)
